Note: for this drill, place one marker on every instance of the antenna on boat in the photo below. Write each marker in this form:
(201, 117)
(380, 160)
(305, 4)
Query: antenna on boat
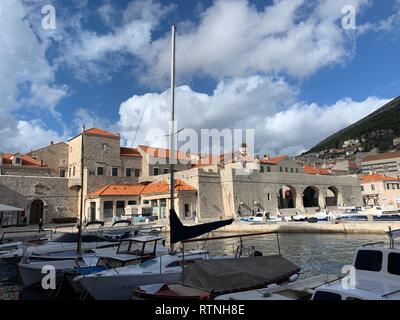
(172, 125)
(79, 242)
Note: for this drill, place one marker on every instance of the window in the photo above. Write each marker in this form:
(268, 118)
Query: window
(100, 171)
(165, 171)
(114, 172)
(369, 260)
(155, 171)
(261, 168)
(268, 169)
(394, 263)
(73, 171)
(131, 202)
(286, 169)
(362, 188)
(62, 173)
(17, 160)
(137, 172)
(269, 196)
(128, 172)
(69, 172)
(297, 170)
(281, 169)
(291, 170)
(372, 187)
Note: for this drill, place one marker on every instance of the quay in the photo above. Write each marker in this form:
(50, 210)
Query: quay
(322, 227)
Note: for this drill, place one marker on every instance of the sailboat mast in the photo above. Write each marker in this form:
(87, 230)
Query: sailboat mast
(172, 125)
(79, 242)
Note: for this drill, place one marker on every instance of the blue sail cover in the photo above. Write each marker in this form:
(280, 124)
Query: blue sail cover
(179, 232)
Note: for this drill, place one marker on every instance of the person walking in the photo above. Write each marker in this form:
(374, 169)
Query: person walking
(40, 225)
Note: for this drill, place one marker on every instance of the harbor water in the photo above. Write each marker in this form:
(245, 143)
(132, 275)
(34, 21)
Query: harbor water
(313, 253)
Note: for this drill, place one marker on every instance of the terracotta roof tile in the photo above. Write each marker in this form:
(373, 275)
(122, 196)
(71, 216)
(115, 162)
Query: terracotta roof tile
(99, 132)
(377, 177)
(118, 190)
(26, 160)
(163, 187)
(129, 152)
(274, 160)
(163, 153)
(139, 189)
(314, 170)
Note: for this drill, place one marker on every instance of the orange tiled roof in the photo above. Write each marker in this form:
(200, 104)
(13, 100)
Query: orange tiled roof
(139, 189)
(314, 170)
(118, 190)
(25, 159)
(163, 153)
(163, 187)
(377, 177)
(99, 132)
(274, 160)
(129, 152)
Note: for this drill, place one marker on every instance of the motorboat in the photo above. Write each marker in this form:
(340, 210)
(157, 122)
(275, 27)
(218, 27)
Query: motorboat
(119, 283)
(129, 251)
(376, 275)
(63, 248)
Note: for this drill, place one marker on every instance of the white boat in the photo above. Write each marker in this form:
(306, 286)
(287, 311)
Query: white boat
(62, 248)
(376, 276)
(129, 251)
(293, 290)
(119, 283)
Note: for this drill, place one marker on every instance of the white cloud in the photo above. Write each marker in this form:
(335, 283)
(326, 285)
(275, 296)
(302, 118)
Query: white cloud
(26, 80)
(23, 136)
(233, 38)
(267, 105)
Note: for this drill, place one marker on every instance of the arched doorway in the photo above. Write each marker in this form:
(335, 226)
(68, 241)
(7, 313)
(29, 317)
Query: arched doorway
(36, 211)
(310, 197)
(287, 197)
(331, 198)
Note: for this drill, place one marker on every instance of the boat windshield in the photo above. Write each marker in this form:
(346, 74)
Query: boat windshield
(394, 263)
(369, 260)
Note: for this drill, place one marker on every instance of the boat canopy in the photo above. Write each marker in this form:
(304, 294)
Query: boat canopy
(179, 232)
(229, 275)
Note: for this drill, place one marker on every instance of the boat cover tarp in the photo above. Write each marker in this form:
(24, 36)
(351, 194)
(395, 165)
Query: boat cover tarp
(179, 232)
(229, 275)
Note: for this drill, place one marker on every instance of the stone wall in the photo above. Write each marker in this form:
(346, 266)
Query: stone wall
(58, 199)
(55, 156)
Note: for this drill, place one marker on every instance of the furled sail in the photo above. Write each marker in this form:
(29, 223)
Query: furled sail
(179, 232)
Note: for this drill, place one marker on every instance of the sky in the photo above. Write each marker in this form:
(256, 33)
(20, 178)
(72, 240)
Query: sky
(294, 71)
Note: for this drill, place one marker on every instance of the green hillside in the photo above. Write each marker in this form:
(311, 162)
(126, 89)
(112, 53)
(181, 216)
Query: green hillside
(377, 130)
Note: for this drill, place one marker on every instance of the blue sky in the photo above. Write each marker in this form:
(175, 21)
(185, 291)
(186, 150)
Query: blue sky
(286, 69)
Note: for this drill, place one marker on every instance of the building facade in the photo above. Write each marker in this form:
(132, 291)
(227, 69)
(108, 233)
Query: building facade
(385, 163)
(380, 190)
(48, 183)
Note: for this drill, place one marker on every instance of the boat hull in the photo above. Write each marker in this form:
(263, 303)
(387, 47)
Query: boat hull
(121, 287)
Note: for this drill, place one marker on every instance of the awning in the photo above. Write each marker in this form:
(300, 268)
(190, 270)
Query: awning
(4, 207)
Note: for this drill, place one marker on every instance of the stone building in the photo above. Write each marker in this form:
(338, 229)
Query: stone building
(47, 182)
(380, 190)
(385, 163)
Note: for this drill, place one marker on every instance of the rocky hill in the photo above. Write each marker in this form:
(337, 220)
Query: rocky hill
(377, 130)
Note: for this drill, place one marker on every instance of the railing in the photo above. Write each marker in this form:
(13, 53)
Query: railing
(34, 231)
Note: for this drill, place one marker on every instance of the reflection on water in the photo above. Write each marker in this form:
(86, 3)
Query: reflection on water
(314, 253)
